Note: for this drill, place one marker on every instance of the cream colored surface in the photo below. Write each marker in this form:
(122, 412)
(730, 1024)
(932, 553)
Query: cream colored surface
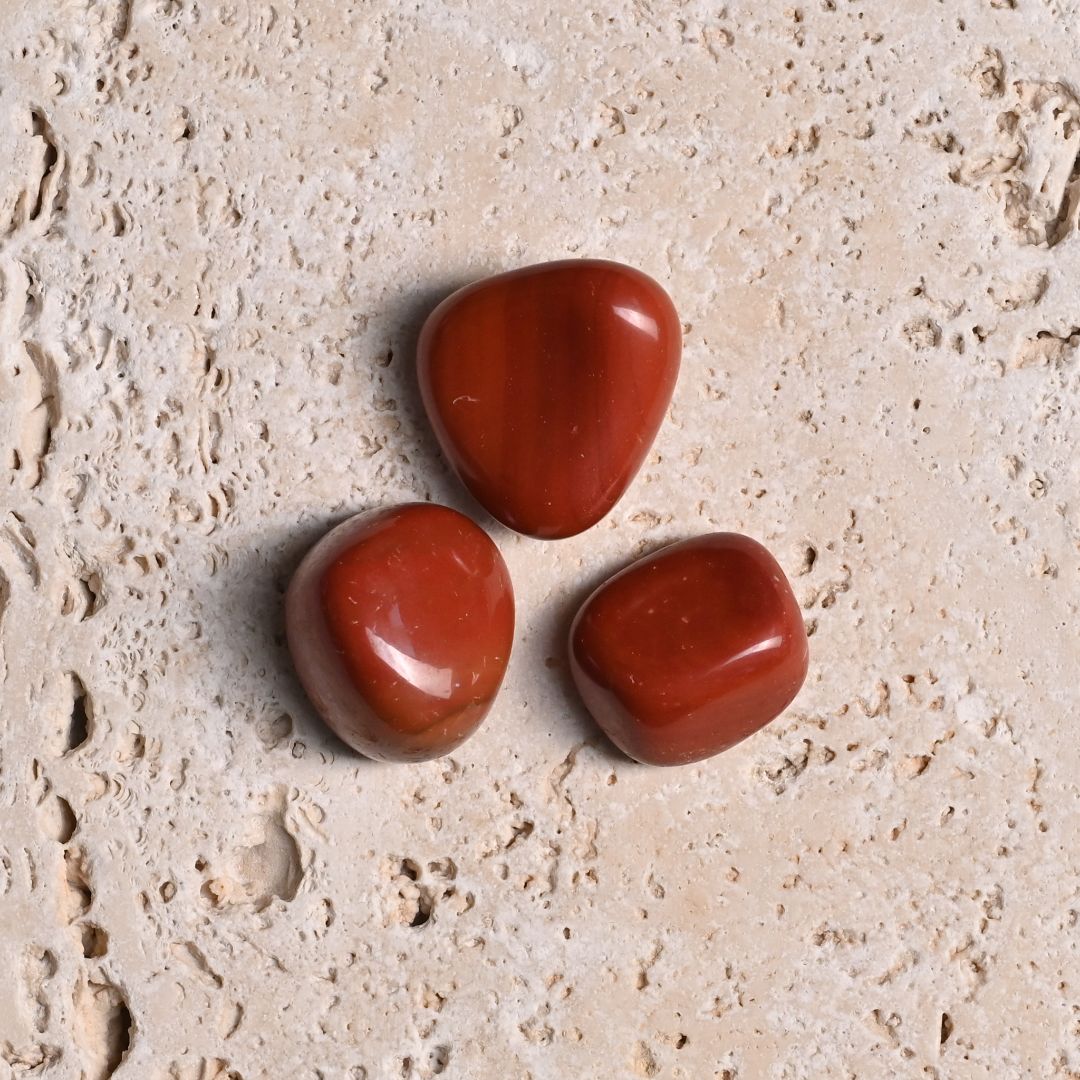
(220, 226)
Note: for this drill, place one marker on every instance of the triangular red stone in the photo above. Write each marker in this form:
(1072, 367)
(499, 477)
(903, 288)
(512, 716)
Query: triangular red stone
(546, 387)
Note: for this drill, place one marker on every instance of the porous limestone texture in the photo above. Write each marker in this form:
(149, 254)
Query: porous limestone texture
(221, 224)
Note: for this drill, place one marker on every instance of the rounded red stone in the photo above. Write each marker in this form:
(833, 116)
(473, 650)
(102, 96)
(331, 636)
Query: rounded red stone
(690, 650)
(546, 386)
(400, 623)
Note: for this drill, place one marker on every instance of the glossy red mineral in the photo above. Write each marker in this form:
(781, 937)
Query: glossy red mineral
(546, 387)
(690, 650)
(400, 624)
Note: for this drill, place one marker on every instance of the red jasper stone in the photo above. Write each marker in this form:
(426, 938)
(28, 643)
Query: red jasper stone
(688, 651)
(546, 387)
(400, 624)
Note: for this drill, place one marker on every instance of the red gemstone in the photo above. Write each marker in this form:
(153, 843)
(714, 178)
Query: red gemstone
(546, 387)
(690, 650)
(400, 624)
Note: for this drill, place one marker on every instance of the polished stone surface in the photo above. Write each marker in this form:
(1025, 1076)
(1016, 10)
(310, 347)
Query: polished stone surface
(546, 387)
(690, 650)
(400, 624)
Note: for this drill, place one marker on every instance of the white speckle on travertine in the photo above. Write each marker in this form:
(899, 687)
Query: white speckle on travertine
(221, 226)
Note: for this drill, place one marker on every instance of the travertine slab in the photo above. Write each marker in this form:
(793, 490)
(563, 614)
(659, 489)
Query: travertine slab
(221, 224)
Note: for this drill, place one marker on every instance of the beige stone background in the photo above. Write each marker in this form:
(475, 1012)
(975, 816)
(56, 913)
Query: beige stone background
(221, 224)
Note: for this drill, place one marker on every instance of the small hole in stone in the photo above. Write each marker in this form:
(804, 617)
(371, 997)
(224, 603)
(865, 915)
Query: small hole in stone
(444, 868)
(81, 714)
(211, 890)
(66, 823)
(946, 1028)
(118, 1037)
(423, 911)
(95, 942)
(81, 896)
(520, 832)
